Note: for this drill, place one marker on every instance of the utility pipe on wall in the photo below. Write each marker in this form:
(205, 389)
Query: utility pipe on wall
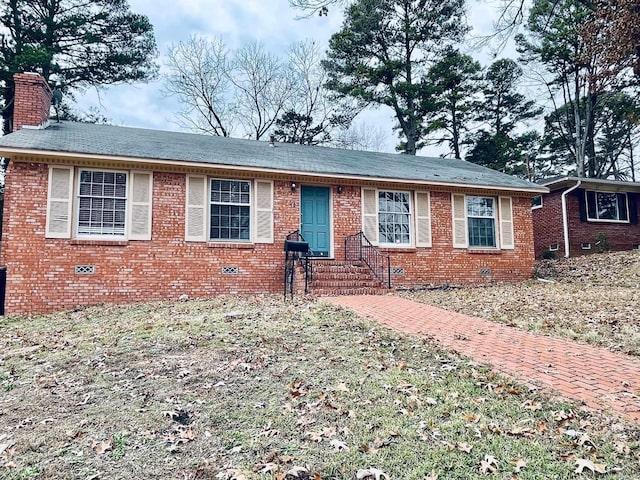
(565, 221)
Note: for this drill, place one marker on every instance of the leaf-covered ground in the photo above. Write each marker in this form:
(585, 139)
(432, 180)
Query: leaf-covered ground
(592, 299)
(255, 388)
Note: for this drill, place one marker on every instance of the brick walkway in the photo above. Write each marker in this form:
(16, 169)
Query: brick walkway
(599, 378)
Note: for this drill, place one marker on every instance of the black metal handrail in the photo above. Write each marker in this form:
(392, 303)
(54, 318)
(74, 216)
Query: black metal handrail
(294, 250)
(358, 248)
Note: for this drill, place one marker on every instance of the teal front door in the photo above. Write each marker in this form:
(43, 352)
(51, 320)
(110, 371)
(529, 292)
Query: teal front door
(315, 226)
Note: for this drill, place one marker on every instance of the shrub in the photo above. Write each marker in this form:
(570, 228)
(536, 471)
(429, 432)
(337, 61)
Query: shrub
(602, 242)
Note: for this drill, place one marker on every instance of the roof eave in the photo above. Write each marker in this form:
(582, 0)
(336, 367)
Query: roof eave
(569, 181)
(10, 152)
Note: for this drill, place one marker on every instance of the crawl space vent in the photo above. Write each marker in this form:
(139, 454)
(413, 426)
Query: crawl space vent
(85, 269)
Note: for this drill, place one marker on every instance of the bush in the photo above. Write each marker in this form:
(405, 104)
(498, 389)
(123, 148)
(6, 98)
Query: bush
(549, 255)
(602, 242)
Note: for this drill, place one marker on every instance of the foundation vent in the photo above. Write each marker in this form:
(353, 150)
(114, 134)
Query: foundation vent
(85, 269)
(230, 270)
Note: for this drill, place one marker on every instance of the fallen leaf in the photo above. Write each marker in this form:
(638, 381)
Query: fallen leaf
(583, 463)
(296, 471)
(432, 476)
(338, 445)
(488, 465)
(519, 464)
(102, 447)
(471, 417)
(622, 448)
(371, 473)
(464, 447)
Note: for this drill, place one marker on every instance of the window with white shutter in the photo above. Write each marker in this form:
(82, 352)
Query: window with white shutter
(459, 221)
(370, 214)
(423, 219)
(507, 240)
(264, 211)
(140, 210)
(196, 208)
(477, 221)
(59, 202)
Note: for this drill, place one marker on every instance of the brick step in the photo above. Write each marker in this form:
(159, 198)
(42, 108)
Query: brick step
(337, 292)
(355, 269)
(339, 283)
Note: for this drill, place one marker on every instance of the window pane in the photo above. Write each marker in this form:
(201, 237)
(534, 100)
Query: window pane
(394, 218)
(607, 206)
(481, 221)
(102, 203)
(230, 212)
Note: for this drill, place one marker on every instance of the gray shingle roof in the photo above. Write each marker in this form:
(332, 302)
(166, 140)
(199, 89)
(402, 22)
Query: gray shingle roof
(111, 141)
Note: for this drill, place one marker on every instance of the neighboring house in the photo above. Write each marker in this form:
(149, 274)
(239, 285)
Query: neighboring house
(585, 215)
(97, 213)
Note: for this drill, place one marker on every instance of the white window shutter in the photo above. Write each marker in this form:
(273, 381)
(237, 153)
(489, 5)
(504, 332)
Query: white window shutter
(423, 219)
(370, 214)
(196, 209)
(264, 212)
(140, 209)
(460, 236)
(507, 240)
(59, 202)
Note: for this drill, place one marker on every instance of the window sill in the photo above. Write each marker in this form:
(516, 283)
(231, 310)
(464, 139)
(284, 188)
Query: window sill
(100, 243)
(407, 249)
(233, 246)
(612, 222)
(484, 251)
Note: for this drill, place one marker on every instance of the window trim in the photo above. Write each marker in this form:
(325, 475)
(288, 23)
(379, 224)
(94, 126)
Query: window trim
(495, 219)
(410, 215)
(606, 220)
(76, 207)
(250, 204)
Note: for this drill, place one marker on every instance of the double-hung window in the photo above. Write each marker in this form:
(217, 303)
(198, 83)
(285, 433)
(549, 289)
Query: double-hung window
(606, 206)
(102, 203)
(482, 222)
(481, 217)
(89, 203)
(394, 218)
(230, 210)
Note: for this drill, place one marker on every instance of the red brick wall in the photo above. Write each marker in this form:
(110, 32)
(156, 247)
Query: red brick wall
(41, 274)
(548, 227)
(32, 101)
(443, 264)
(547, 224)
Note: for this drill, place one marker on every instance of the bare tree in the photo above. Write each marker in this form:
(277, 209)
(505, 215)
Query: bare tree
(262, 88)
(360, 136)
(199, 77)
(312, 7)
(313, 113)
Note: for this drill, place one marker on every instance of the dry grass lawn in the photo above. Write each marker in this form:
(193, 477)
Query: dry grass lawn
(255, 388)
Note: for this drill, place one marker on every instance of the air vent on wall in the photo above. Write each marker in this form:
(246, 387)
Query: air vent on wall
(85, 269)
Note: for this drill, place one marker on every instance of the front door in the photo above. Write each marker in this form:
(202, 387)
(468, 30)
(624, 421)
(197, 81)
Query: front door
(315, 226)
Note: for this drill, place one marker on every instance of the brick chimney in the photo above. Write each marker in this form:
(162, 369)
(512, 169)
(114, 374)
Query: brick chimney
(32, 101)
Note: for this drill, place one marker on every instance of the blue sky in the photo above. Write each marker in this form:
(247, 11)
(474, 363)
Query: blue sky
(236, 22)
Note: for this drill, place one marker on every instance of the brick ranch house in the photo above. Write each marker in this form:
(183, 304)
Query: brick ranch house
(97, 213)
(579, 215)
